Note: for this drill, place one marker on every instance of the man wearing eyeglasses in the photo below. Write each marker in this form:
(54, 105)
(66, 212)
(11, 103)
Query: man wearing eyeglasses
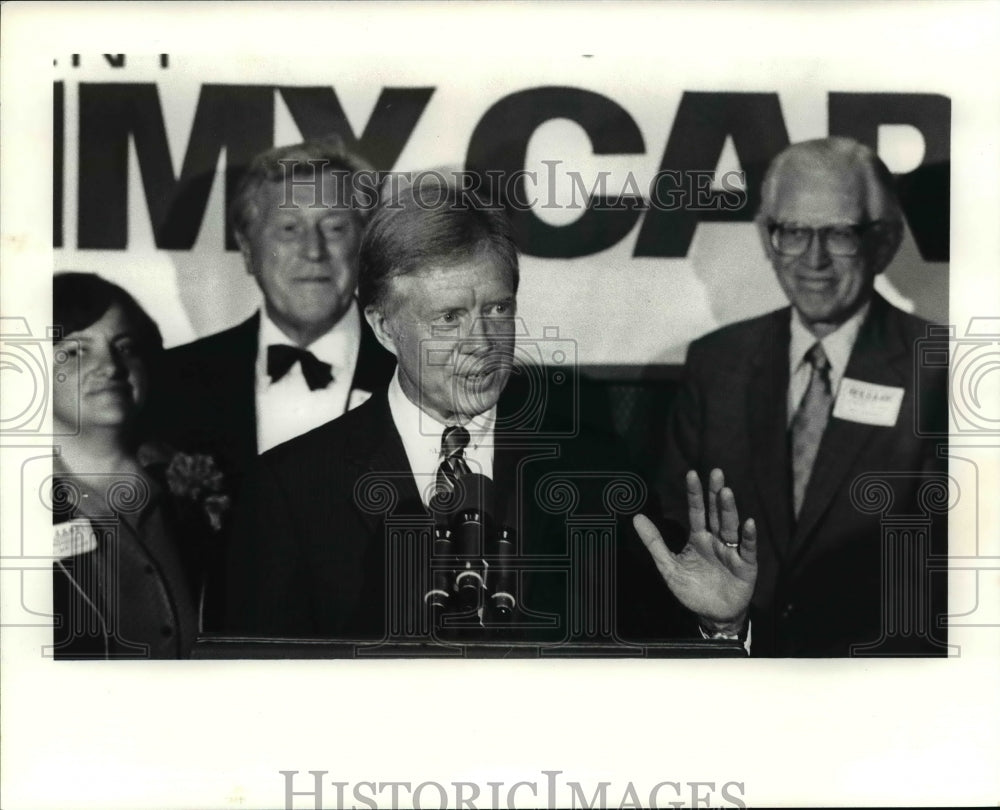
(810, 412)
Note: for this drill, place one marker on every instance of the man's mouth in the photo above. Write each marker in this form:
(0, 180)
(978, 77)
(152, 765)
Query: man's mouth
(815, 283)
(118, 389)
(313, 280)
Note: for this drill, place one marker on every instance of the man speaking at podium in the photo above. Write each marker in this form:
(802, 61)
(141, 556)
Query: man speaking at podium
(438, 284)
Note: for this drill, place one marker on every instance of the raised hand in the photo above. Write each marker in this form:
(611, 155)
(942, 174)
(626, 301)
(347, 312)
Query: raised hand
(714, 575)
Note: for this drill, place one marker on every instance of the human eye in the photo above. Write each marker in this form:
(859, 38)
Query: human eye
(502, 309)
(286, 228)
(843, 239)
(446, 322)
(335, 226)
(127, 346)
(66, 350)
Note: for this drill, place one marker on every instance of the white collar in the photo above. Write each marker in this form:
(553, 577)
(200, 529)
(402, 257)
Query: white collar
(411, 420)
(421, 437)
(837, 345)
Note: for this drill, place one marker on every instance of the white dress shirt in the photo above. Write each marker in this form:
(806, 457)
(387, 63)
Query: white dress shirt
(287, 408)
(421, 435)
(837, 346)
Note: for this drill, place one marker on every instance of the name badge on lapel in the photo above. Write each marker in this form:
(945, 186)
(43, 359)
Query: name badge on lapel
(73, 538)
(358, 396)
(868, 403)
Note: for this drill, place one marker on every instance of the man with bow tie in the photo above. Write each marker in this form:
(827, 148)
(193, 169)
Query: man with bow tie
(307, 355)
(438, 283)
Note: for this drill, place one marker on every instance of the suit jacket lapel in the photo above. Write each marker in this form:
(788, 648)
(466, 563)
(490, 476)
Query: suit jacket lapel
(236, 386)
(376, 449)
(879, 356)
(767, 413)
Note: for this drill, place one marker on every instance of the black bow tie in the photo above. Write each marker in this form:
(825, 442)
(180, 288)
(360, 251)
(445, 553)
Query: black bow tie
(281, 358)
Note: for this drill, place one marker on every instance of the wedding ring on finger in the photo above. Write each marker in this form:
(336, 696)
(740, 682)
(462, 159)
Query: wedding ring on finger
(731, 545)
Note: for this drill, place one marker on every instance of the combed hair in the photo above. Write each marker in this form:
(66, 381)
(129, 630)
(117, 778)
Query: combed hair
(80, 300)
(424, 226)
(327, 155)
(881, 202)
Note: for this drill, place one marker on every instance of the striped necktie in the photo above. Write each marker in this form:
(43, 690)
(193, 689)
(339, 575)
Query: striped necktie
(810, 422)
(453, 443)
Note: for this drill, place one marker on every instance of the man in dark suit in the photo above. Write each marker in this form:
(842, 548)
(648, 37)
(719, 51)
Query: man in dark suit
(336, 515)
(812, 413)
(307, 356)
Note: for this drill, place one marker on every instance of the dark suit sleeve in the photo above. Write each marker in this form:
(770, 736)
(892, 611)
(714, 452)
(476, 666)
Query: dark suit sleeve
(647, 609)
(265, 576)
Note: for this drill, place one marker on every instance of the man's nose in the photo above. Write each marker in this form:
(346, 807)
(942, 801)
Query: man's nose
(313, 244)
(483, 332)
(817, 255)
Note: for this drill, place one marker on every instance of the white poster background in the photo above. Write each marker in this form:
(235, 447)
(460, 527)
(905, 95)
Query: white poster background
(620, 309)
(216, 734)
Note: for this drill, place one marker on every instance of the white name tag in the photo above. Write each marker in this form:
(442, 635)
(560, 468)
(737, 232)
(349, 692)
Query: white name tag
(868, 403)
(73, 538)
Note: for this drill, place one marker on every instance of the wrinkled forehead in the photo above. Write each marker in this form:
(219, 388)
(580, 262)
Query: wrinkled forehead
(809, 191)
(472, 280)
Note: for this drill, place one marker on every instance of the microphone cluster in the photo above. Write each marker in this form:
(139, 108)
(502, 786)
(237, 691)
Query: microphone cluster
(470, 555)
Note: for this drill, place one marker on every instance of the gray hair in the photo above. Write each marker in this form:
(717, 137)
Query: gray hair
(420, 227)
(838, 154)
(326, 154)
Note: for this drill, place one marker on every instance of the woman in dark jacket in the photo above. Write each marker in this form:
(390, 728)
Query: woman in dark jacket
(132, 520)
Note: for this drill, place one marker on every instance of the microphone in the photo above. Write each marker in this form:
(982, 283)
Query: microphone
(471, 525)
(503, 599)
(438, 597)
(463, 519)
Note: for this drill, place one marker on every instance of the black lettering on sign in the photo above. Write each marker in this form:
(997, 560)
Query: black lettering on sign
(925, 192)
(58, 141)
(237, 118)
(317, 112)
(703, 122)
(498, 148)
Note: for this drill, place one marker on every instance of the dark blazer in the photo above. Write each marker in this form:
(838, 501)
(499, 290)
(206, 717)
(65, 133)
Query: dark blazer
(311, 553)
(205, 402)
(206, 398)
(820, 583)
(134, 594)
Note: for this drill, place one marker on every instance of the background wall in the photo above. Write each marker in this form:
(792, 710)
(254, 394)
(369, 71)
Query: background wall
(148, 147)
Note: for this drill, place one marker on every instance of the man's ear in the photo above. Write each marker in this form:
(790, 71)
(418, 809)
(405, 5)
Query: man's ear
(382, 328)
(887, 240)
(244, 245)
(765, 237)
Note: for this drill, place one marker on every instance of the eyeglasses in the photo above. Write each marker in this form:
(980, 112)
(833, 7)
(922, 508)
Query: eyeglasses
(839, 240)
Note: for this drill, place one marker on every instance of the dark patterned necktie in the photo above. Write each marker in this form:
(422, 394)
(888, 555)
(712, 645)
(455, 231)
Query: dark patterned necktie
(280, 358)
(454, 440)
(810, 422)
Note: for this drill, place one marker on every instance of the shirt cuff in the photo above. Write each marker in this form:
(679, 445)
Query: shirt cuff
(728, 636)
